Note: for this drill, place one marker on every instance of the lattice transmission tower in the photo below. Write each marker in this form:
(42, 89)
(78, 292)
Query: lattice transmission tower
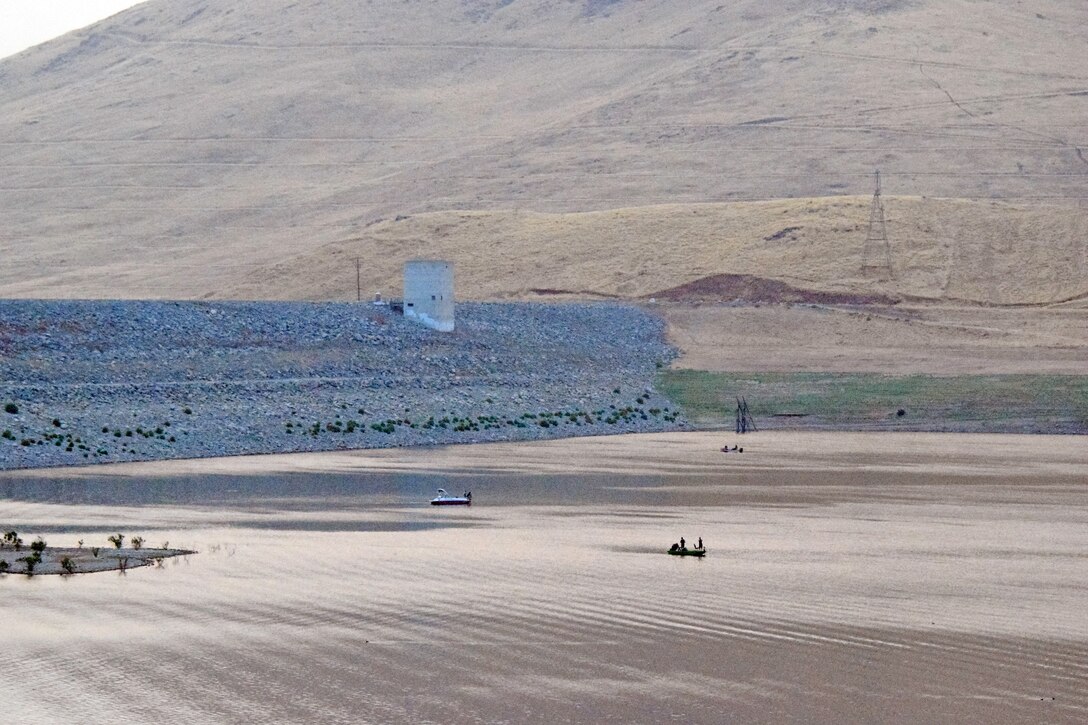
(876, 259)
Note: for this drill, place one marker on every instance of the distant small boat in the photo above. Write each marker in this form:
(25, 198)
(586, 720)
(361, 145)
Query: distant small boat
(688, 552)
(445, 499)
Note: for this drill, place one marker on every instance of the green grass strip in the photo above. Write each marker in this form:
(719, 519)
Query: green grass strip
(1005, 403)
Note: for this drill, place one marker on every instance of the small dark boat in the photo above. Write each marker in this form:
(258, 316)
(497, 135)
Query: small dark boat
(688, 552)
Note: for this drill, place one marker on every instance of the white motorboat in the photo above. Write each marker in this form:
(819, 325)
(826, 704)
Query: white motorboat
(445, 499)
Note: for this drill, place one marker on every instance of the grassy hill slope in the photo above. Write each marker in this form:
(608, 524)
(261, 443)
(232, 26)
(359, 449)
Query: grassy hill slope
(987, 252)
(225, 148)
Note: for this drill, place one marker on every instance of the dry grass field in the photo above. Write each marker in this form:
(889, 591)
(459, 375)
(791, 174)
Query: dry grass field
(947, 250)
(932, 339)
(962, 368)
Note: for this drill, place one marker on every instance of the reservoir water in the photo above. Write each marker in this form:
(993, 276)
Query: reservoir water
(850, 577)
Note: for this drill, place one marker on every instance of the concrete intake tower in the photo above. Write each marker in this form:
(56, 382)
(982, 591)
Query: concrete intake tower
(428, 293)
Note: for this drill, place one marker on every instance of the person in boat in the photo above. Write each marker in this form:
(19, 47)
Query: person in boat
(700, 545)
(681, 543)
(674, 547)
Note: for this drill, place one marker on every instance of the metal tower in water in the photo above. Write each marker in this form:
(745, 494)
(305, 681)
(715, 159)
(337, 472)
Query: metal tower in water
(876, 260)
(745, 421)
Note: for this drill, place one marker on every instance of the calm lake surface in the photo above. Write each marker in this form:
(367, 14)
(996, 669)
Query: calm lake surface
(850, 577)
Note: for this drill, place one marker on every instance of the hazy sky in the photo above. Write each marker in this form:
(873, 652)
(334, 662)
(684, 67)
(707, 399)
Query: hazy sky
(24, 23)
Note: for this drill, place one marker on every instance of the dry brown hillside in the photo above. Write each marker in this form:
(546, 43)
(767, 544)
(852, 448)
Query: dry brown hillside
(241, 148)
(989, 252)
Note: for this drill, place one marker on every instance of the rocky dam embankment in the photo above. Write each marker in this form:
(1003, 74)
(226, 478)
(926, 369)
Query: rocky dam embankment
(93, 382)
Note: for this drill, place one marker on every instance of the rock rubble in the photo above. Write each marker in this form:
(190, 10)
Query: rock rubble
(96, 382)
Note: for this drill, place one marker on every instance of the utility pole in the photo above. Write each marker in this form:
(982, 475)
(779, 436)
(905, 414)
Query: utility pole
(358, 283)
